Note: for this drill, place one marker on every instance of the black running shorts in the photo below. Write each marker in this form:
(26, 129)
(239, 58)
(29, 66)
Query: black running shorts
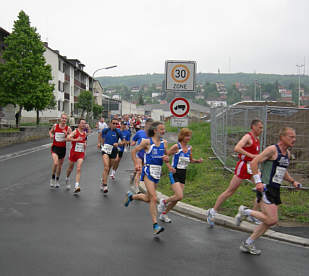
(272, 195)
(180, 176)
(60, 151)
(113, 154)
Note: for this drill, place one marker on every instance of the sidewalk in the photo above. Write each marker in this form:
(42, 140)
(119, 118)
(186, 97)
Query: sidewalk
(226, 221)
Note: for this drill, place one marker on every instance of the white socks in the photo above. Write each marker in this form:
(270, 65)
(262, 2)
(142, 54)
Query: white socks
(76, 185)
(249, 241)
(247, 212)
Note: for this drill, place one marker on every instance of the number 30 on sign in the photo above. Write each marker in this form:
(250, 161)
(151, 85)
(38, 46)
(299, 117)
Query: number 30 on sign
(180, 76)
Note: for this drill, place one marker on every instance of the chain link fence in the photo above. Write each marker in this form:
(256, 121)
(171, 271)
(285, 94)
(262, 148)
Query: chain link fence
(229, 124)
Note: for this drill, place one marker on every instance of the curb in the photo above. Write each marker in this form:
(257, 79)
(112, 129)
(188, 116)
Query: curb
(229, 222)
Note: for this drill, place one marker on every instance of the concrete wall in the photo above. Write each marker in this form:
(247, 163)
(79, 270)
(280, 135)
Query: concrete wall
(25, 134)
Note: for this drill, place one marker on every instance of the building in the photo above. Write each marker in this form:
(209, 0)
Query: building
(97, 92)
(285, 94)
(69, 79)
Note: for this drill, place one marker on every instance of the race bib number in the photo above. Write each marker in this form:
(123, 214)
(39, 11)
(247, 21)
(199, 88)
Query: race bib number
(155, 171)
(107, 148)
(59, 137)
(279, 175)
(249, 171)
(79, 147)
(183, 162)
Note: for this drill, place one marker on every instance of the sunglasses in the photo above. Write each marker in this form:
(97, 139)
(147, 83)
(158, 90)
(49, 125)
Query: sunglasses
(115, 123)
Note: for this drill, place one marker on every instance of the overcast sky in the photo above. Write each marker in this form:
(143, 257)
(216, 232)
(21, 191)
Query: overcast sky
(263, 36)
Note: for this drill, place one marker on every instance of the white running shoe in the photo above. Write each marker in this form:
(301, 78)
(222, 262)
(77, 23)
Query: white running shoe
(76, 190)
(210, 214)
(249, 248)
(112, 175)
(165, 218)
(161, 206)
(52, 183)
(241, 215)
(57, 185)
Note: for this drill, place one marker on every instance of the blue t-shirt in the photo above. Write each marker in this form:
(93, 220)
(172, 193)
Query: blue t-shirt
(138, 137)
(127, 136)
(111, 136)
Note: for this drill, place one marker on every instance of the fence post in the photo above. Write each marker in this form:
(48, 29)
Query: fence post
(265, 127)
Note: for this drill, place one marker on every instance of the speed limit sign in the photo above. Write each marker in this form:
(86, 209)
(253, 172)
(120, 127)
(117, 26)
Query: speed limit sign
(180, 76)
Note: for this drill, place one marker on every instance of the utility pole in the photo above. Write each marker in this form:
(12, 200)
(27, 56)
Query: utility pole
(299, 66)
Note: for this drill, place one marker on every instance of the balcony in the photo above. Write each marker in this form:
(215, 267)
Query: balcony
(66, 77)
(77, 83)
(66, 96)
(82, 85)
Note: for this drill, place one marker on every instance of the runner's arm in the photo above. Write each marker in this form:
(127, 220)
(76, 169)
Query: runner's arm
(267, 154)
(70, 138)
(68, 133)
(166, 159)
(192, 160)
(244, 141)
(172, 150)
(52, 131)
(143, 145)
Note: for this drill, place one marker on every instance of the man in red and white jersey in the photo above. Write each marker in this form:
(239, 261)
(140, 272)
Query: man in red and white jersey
(248, 148)
(58, 133)
(77, 153)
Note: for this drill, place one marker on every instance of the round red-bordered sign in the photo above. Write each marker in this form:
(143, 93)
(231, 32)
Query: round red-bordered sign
(179, 107)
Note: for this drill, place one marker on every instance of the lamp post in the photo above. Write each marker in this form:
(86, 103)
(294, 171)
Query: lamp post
(104, 68)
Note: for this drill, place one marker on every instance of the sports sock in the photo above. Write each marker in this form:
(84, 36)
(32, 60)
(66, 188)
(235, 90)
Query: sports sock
(76, 184)
(212, 211)
(247, 212)
(53, 177)
(249, 241)
(57, 178)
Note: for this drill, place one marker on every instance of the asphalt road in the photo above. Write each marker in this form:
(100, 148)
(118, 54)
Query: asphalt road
(51, 232)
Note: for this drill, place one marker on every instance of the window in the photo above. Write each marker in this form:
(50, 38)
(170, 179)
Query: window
(59, 106)
(60, 86)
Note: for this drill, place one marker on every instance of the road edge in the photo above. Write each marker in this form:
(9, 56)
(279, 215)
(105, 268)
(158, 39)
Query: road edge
(229, 222)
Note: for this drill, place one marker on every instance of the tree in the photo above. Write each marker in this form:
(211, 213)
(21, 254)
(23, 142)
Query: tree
(140, 99)
(85, 101)
(97, 111)
(24, 77)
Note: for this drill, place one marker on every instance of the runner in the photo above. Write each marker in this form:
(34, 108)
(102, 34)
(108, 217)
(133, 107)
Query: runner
(155, 154)
(136, 140)
(100, 126)
(182, 157)
(248, 148)
(109, 140)
(275, 161)
(77, 154)
(58, 133)
(127, 136)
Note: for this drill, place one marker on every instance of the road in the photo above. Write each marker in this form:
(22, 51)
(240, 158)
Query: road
(51, 232)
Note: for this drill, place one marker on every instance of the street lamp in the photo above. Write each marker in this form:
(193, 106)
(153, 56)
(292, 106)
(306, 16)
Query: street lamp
(104, 68)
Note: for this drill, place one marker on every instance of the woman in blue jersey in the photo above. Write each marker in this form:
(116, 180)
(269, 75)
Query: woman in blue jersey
(155, 154)
(182, 156)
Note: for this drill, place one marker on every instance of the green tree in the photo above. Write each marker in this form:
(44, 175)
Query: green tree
(85, 102)
(24, 77)
(140, 99)
(97, 111)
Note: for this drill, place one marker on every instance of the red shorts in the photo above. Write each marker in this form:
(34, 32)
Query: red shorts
(74, 156)
(241, 170)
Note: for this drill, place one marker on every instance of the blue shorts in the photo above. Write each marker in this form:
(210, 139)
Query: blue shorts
(146, 171)
(140, 155)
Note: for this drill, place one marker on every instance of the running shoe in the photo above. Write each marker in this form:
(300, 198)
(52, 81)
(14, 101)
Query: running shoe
(128, 198)
(57, 185)
(157, 229)
(76, 190)
(240, 215)
(52, 183)
(161, 206)
(104, 189)
(249, 248)
(67, 184)
(210, 218)
(165, 218)
(253, 220)
(112, 175)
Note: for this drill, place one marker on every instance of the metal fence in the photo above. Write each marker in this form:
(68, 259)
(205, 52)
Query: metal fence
(229, 124)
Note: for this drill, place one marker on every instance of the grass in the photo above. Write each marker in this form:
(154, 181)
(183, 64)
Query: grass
(6, 130)
(206, 181)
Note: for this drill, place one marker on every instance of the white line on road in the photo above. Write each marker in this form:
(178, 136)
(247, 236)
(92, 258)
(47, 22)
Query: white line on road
(23, 152)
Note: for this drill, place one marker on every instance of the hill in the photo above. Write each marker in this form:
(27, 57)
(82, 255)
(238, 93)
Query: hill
(202, 78)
